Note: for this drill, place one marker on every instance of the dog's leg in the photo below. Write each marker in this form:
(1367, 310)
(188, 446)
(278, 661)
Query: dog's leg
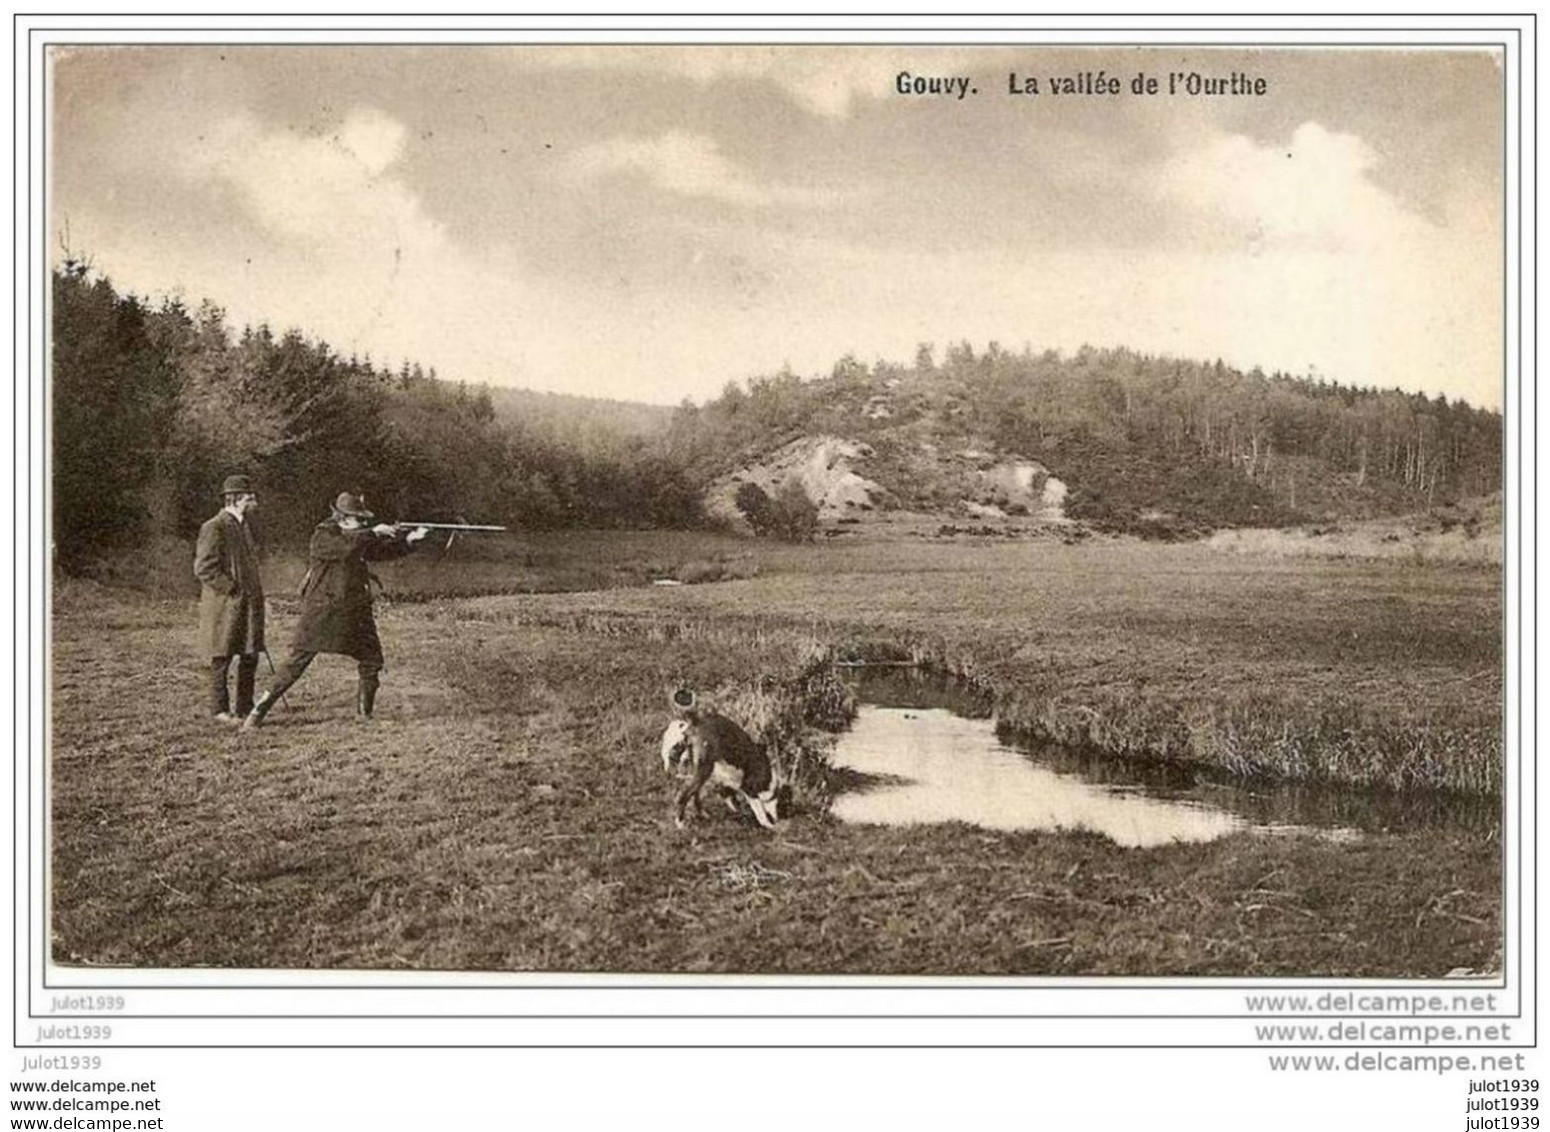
(691, 791)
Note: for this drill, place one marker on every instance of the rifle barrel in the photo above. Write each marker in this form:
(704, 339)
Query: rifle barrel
(448, 526)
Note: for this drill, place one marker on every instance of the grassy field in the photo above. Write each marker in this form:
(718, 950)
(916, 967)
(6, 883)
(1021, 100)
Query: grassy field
(507, 811)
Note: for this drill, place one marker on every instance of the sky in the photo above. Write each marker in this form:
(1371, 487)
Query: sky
(651, 223)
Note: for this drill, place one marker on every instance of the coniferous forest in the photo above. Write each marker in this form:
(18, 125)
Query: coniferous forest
(154, 405)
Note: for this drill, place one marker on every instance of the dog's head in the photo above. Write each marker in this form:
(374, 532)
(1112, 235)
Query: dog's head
(777, 800)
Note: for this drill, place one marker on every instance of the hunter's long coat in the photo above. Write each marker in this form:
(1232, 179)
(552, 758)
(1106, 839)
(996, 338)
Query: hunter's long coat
(336, 594)
(231, 599)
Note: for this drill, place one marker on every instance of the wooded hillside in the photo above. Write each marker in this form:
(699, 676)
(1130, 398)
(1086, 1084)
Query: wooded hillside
(153, 405)
(1202, 444)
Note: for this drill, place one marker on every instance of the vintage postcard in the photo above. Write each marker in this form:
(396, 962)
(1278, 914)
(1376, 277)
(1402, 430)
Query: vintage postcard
(802, 510)
(726, 533)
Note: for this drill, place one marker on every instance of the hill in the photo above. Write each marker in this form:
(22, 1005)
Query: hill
(1111, 439)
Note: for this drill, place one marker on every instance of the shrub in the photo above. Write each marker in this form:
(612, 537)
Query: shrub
(756, 505)
(790, 515)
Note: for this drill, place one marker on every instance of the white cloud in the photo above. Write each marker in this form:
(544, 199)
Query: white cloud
(819, 82)
(1302, 258)
(690, 165)
(373, 139)
(340, 245)
(827, 82)
(1313, 191)
(335, 188)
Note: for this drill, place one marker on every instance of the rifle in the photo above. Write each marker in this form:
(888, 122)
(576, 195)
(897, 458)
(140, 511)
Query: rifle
(410, 525)
(452, 529)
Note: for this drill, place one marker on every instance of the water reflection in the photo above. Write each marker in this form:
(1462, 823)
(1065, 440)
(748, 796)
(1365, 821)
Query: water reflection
(925, 749)
(946, 768)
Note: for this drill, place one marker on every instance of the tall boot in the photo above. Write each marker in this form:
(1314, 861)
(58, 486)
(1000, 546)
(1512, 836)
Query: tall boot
(247, 671)
(365, 696)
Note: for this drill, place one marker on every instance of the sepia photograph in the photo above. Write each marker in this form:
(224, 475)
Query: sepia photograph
(969, 513)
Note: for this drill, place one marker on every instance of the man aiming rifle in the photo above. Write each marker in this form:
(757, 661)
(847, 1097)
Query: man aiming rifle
(336, 598)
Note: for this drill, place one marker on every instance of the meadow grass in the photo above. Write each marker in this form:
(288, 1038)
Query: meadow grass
(507, 811)
(1366, 673)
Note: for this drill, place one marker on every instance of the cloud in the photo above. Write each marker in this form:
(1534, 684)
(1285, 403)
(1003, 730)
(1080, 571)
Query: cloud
(1313, 191)
(827, 82)
(1303, 258)
(690, 165)
(372, 138)
(338, 242)
(334, 188)
(817, 81)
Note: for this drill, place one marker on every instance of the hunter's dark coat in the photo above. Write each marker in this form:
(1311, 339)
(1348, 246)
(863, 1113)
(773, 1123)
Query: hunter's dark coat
(231, 599)
(336, 594)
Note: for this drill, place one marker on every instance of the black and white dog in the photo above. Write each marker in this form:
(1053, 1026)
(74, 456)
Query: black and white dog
(717, 750)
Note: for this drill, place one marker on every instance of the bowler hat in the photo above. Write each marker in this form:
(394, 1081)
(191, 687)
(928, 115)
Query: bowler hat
(353, 505)
(237, 485)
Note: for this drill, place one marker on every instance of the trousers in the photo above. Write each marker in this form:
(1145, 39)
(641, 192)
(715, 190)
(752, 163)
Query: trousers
(247, 669)
(296, 663)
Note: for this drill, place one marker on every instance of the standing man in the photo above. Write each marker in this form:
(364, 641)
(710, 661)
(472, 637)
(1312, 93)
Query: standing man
(231, 598)
(336, 601)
